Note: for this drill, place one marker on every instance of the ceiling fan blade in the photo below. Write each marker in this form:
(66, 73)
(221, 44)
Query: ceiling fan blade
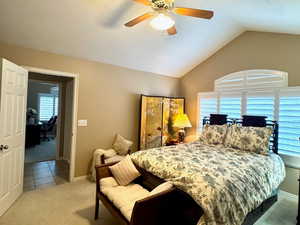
(138, 19)
(172, 31)
(144, 2)
(205, 14)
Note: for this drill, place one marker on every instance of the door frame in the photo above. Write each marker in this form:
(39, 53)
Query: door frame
(75, 108)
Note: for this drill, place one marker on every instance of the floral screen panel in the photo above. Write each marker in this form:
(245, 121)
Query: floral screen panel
(157, 116)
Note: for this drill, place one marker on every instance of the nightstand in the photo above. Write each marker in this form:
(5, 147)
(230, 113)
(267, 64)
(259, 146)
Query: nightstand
(172, 142)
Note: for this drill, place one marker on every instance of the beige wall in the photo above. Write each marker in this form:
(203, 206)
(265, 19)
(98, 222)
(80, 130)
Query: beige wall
(108, 97)
(251, 50)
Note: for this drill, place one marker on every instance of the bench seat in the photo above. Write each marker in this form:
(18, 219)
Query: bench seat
(123, 197)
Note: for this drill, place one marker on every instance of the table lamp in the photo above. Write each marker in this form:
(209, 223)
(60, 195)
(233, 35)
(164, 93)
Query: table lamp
(181, 121)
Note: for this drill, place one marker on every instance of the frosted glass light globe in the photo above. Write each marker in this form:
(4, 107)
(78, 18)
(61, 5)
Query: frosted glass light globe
(162, 22)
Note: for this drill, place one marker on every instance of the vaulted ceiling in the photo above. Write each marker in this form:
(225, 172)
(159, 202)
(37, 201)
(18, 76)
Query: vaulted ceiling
(93, 29)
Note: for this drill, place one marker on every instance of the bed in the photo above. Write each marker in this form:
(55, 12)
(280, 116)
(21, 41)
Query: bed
(217, 185)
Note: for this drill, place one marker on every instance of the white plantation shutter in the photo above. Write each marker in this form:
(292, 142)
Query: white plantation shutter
(261, 103)
(265, 79)
(252, 79)
(56, 105)
(289, 121)
(261, 93)
(230, 82)
(48, 106)
(207, 105)
(231, 104)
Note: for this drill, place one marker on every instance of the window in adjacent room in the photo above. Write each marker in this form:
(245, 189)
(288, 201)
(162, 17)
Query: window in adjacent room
(48, 106)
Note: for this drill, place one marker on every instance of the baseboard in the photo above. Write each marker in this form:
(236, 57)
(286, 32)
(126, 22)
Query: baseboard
(80, 178)
(288, 194)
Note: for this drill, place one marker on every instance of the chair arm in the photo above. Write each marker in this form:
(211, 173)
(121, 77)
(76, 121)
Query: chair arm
(154, 210)
(102, 159)
(102, 171)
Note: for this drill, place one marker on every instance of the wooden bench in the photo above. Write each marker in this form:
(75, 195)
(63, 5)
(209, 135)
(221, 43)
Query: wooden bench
(165, 208)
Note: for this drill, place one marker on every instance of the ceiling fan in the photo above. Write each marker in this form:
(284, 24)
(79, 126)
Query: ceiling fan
(161, 10)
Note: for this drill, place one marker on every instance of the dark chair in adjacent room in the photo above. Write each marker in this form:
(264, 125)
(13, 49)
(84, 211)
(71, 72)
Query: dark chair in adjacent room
(48, 127)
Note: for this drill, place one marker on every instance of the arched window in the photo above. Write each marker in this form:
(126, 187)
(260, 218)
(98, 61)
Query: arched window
(252, 79)
(257, 92)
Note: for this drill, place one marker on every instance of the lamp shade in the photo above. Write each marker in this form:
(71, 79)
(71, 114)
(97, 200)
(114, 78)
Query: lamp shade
(182, 121)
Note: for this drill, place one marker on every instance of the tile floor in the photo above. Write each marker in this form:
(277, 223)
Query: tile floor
(45, 174)
(45, 151)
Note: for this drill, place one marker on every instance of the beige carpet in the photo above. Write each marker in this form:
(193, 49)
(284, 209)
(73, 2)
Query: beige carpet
(73, 204)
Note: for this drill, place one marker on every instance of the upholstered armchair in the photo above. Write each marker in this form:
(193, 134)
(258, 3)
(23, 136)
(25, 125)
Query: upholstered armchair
(111, 156)
(120, 148)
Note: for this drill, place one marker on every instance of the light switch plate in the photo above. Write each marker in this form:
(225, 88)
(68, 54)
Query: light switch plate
(82, 123)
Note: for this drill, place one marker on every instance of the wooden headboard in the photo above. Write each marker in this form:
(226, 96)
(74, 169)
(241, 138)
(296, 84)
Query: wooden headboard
(246, 120)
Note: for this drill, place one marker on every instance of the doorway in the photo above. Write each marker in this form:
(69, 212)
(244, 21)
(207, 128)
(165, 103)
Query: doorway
(41, 121)
(49, 130)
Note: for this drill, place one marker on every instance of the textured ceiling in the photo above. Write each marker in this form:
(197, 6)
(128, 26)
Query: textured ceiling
(93, 29)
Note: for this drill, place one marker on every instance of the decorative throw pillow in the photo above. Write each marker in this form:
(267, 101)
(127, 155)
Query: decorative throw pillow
(162, 187)
(252, 139)
(121, 145)
(124, 172)
(213, 134)
(232, 138)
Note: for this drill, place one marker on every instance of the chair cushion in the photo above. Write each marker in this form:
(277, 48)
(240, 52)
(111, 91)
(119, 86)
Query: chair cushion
(108, 182)
(124, 172)
(109, 153)
(116, 158)
(123, 197)
(121, 145)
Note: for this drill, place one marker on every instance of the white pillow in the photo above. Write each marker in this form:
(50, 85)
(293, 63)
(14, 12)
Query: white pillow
(121, 145)
(124, 172)
(162, 187)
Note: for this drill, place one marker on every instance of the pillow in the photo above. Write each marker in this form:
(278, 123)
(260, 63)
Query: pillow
(213, 134)
(252, 139)
(124, 172)
(162, 187)
(121, 145)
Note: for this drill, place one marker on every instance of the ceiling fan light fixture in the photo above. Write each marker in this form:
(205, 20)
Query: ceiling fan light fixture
(162, 22)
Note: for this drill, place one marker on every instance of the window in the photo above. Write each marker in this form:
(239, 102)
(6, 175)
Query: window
(48, 106)
(261, 104)
(289, 121)
(263, 93)
(231, 104)
(207, 105)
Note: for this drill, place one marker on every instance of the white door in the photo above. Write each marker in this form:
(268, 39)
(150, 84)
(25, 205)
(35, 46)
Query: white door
(13, 98)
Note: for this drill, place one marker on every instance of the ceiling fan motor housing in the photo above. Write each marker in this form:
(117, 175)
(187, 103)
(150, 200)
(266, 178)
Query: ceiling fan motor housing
(162, 4)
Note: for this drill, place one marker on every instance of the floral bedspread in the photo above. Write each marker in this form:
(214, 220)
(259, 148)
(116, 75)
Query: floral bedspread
(226, 183)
